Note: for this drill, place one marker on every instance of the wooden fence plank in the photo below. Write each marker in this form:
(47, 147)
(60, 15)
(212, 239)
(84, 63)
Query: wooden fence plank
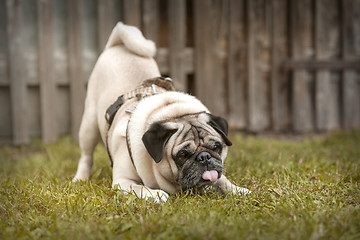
(60, 42)
(327, 47)
(105, 21)
(5, 116)
(237, 63)
(77, 85)
(4, 81)
(177, 43)
(118, 13)
(151, 30)
(202, 49)
(18, 85)
(5, 97)
(280, 84)
(259, 68)
(61, 62)
(351, 50)
(49, 129)
(90, 34)
(30, 45)
(210, 54)
(132, 12)
(151, 20)
(302, 48)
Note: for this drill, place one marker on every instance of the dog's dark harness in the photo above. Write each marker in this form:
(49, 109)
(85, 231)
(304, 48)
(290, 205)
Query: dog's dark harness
(148, 88)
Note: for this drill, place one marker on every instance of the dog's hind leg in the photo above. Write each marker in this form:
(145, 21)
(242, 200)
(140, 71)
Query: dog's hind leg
(88, 139)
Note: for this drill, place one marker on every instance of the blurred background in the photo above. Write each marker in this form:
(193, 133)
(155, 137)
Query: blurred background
(265, 65)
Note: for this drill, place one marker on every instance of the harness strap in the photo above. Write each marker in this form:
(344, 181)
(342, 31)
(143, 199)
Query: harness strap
(128, 143)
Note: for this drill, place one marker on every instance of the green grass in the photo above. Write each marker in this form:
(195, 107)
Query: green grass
(305, 189)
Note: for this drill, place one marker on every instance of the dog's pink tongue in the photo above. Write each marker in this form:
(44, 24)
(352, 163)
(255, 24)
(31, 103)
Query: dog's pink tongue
(211, 175)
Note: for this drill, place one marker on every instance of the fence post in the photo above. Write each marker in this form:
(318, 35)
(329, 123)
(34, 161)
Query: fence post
(327, 43)
(49, 128)
(177, 43)
(105, 21)
(302, 48)
(280, 86)
(211, 53)
(77, 85)
(132, 12)
(151, 20)
(351, 91)
(259, 64)
(18, 85)
(237, 65)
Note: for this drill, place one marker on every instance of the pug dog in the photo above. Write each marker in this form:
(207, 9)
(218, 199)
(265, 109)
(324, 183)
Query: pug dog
(159, 141)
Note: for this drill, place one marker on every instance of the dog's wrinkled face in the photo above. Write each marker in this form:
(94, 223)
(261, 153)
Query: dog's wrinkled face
(198, 158)
(197, 144)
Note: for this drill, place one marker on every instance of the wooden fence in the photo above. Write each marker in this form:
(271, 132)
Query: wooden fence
(276, 65)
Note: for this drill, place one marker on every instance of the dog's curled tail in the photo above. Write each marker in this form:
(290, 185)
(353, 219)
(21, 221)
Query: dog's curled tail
(133, 40)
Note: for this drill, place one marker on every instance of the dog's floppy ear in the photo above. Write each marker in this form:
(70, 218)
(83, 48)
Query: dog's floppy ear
(221, 126)
(155, 139)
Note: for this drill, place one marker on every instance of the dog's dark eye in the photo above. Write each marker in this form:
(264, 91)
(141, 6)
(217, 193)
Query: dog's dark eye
(217, 148)
(182, 155)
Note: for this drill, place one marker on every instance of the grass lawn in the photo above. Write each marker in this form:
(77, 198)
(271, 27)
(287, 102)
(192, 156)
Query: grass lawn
(308, 189)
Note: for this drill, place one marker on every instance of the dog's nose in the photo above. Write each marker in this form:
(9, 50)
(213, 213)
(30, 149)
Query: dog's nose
(203, 157)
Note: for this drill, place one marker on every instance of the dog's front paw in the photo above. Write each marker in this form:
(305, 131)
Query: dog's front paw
(80, 177)
(156, 196)
(240, 190)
